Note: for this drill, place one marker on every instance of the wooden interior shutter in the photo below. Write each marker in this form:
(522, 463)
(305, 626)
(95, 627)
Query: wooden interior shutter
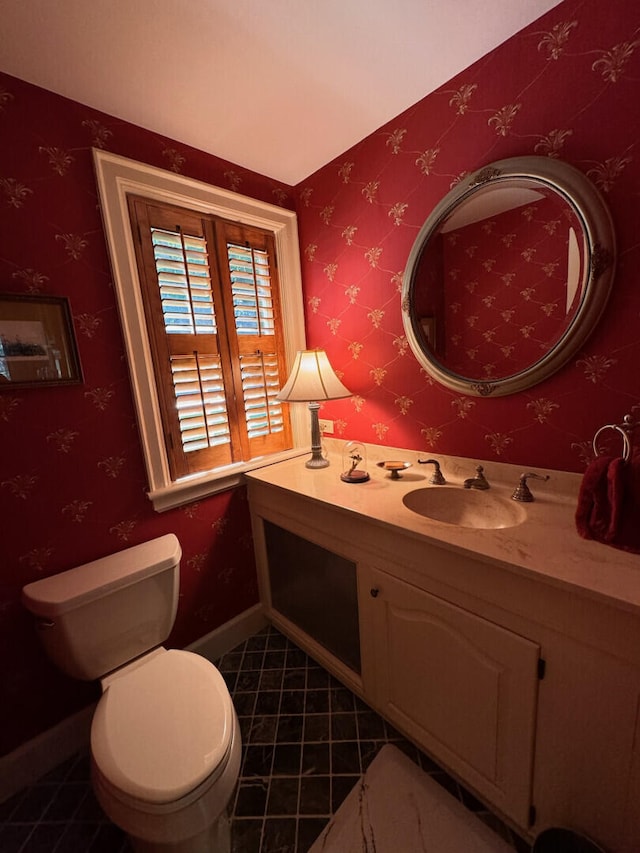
(184, 312)
(249, 274)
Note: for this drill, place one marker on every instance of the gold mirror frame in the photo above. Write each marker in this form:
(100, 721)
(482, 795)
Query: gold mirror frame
(588, 207)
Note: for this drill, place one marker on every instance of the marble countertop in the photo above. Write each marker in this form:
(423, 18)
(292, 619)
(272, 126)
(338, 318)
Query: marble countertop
(545, 544)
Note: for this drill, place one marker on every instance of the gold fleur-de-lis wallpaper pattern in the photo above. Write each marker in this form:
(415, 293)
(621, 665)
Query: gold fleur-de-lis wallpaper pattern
(566, 87)
(72, 479)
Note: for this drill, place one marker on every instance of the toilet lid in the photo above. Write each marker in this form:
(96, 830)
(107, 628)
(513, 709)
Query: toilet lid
(161, 728)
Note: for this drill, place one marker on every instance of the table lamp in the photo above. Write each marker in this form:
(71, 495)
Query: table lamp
(312, 379)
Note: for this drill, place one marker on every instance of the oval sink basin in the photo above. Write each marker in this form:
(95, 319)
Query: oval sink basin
(465, 507)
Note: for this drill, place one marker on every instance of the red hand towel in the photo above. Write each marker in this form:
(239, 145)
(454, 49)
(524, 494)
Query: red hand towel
(593, 513)
(627, 523)
(617, 497)
(609, 503)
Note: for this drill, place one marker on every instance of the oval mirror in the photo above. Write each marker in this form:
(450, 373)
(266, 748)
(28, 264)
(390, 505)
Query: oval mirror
(508, 276)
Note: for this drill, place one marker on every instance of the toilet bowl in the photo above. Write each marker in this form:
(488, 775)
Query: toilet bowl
(165, 752)
(165, 740)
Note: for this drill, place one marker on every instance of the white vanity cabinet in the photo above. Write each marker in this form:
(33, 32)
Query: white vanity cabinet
(523, 686)
(462, 687)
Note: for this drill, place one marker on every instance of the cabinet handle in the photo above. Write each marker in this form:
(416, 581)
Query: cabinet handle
(374, 591)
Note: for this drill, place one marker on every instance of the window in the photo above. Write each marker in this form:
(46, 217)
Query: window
(210, 300)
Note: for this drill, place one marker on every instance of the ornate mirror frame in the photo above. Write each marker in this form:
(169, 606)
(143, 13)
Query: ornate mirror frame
(589, 209)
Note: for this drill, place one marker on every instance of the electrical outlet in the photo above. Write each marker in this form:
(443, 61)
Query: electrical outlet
(326, 426)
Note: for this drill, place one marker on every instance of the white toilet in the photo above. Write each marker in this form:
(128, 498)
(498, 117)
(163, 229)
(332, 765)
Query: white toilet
(165, 741)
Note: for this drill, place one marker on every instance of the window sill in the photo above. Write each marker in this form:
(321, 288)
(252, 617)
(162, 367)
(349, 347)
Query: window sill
(196, 488)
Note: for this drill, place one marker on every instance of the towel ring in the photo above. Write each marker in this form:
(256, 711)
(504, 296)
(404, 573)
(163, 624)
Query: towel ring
(626, 444)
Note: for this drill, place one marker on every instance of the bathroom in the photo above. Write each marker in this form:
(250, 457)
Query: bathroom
(73, 480)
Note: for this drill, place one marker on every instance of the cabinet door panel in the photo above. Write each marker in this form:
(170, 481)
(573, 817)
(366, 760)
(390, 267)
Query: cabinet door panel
(461, 686)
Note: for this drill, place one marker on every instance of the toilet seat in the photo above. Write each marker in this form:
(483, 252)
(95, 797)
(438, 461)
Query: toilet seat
(162, 726)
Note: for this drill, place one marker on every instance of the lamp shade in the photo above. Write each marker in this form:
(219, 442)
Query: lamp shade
(312, 379)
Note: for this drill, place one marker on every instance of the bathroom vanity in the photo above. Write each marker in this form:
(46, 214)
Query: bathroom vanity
(511, 654)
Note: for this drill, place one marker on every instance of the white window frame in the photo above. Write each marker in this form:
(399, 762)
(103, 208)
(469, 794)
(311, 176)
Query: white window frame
(117, 177)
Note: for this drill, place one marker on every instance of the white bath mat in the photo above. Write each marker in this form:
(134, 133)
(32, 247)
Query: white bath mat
(397, 808)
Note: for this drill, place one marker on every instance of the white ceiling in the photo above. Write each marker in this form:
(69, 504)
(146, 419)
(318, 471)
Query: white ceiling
(278, 86)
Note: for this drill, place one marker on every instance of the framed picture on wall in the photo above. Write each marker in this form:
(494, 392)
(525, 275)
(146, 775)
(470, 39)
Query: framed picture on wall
(37, 344)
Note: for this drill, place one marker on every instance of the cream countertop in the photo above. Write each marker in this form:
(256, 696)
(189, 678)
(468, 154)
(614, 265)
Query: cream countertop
(546, 544)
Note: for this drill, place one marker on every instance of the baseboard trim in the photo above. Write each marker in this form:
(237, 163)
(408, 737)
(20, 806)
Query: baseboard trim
(231, 634)
(38, 756)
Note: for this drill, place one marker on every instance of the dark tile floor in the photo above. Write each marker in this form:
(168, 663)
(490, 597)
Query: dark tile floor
(306, 740)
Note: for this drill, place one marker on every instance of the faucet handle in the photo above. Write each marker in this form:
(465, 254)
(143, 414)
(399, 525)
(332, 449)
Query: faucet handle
(522, 492)
(481, 480)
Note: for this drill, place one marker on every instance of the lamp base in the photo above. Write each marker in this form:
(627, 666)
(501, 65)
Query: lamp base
(317, 461)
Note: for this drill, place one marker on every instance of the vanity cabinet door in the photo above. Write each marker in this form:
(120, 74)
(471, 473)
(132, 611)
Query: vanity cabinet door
(463, 688)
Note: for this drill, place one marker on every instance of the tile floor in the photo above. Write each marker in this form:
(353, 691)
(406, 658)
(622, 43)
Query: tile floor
(307, 739)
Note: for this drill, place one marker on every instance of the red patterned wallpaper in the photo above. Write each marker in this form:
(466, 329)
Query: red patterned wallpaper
(72, 477)
(568, 86)
(72, 481)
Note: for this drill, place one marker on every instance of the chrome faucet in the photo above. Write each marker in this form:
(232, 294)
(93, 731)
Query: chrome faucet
(477, 482)
(522, 492)
(437, 478)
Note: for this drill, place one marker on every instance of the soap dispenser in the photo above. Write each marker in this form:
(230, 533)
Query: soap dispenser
(354, 463)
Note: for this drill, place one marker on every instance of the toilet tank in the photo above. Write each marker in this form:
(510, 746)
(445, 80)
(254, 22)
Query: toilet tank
(97, 617)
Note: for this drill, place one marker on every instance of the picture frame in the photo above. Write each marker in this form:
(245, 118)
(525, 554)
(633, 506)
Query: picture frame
(37, 343)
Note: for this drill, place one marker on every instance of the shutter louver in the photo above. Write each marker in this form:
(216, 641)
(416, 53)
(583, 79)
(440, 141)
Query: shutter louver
(251, 290)
(185, 283)
(200, 399)
(260, 386)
